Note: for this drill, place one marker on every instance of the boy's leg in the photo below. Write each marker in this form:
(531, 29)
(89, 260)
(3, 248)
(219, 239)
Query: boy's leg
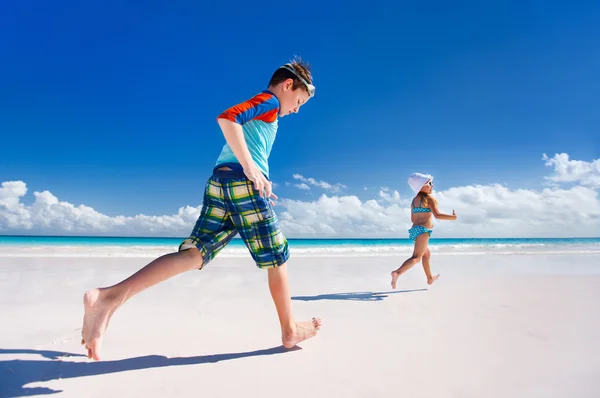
(292, 332)
(212, 232)
(100, 304)
(257, 223)
(427, 267)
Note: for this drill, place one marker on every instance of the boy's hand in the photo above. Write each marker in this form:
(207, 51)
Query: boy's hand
(261, 183)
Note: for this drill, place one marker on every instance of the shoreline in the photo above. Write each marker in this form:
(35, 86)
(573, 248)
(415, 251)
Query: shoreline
(237, 251)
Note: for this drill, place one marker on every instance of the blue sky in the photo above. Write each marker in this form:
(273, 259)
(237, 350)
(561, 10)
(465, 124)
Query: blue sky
(113, 104)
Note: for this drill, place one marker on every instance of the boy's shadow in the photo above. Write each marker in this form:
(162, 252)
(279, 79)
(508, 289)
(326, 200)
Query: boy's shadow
(16, 374)
(356, 296)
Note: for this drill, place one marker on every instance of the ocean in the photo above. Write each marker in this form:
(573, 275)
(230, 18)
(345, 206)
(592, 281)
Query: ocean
(152, 247)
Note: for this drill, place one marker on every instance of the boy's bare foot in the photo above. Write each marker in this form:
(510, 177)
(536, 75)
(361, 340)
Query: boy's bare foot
(304, 331)
(95, 320)
(395, 276)
(432, 279)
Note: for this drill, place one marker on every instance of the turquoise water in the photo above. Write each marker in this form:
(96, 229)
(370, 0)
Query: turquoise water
(301, 243)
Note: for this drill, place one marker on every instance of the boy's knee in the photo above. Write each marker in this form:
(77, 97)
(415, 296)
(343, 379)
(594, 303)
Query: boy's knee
(196, 260)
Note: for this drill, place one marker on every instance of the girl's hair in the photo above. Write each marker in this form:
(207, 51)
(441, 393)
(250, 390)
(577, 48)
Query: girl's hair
(424, 199)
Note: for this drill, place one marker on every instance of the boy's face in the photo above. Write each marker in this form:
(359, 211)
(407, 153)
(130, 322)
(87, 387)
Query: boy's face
(291, 100)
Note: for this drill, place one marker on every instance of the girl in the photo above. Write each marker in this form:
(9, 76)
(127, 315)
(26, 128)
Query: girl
(423, 207)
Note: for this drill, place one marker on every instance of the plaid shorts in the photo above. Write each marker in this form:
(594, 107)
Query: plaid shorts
(232, 205)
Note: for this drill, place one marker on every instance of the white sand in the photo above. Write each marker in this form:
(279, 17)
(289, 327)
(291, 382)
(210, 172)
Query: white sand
(492, 326)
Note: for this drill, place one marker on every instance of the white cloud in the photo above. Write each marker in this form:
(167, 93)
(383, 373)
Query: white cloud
(341, 216)
(389, 197)
(484, 211)
(322, 184)
(573, 171)
(49, 215)
(302, 186)
(13, 213)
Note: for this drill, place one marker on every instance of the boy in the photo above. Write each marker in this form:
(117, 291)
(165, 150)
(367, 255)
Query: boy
(237, 198)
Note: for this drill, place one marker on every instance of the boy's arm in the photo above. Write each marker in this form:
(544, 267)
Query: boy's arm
(436, 212)
(263, 106)
(234, 135)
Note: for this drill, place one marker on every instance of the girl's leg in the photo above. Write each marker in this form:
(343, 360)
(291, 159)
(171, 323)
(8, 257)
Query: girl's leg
(418, 252)
(427, 267)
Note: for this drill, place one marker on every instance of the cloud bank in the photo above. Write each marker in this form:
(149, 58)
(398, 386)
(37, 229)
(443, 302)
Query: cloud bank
(568, 207)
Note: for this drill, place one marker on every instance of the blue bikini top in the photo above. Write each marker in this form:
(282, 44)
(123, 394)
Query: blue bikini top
(420, 209)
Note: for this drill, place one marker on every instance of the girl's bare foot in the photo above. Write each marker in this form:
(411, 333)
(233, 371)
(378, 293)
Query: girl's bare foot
(98, 310)
(395, 276)
(304, 331)
(432, 279)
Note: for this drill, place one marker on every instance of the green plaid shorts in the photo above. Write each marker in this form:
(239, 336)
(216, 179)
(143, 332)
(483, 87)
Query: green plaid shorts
(232, 205)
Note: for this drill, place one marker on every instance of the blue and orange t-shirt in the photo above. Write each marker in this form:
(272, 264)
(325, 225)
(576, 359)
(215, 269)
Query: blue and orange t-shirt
(258, 118)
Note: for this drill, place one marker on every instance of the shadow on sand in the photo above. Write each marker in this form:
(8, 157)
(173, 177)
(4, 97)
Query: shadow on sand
(16, 374)
(355, 296)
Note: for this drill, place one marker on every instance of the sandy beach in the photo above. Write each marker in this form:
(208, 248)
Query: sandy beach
(492, 326)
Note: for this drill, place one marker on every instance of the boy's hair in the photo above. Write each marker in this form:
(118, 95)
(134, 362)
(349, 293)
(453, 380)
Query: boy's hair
(301, 67)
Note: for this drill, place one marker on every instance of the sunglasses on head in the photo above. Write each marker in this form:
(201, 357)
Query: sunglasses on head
(309, 87)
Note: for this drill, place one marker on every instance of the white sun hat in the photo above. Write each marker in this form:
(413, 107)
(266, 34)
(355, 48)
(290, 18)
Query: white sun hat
(417, 180)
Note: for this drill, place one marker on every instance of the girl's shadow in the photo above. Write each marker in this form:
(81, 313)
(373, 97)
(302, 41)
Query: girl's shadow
(357, 296)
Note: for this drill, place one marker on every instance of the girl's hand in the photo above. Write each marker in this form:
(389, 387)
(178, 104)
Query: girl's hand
(454, 214)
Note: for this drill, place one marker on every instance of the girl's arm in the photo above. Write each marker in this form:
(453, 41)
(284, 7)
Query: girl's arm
(436, 212)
